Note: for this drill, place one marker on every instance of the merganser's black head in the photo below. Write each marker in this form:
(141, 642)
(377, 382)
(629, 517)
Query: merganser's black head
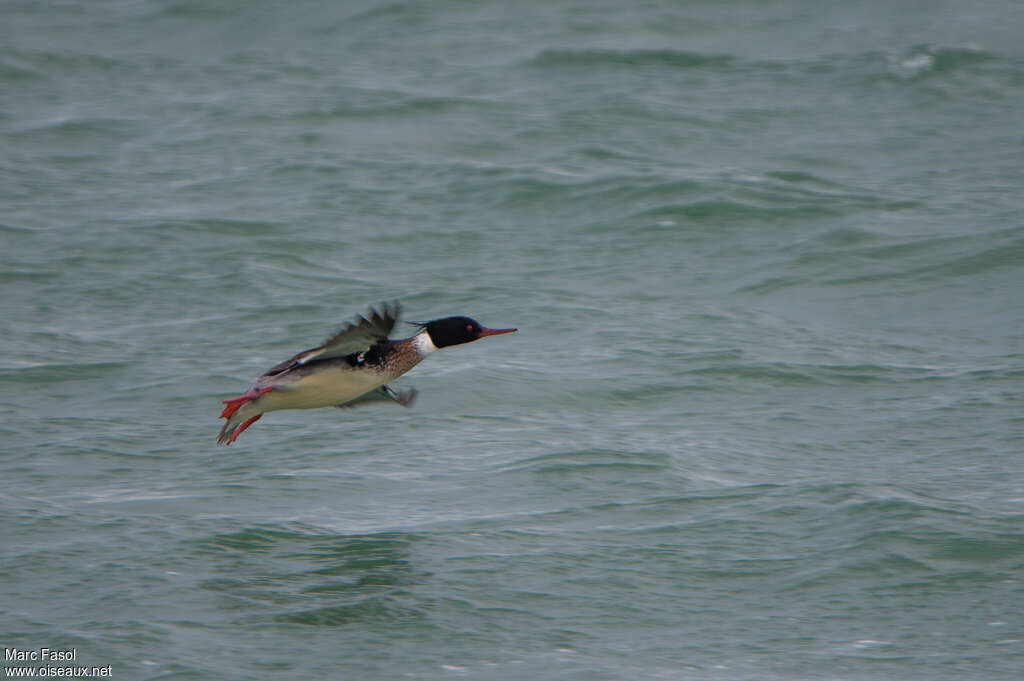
(458, 330)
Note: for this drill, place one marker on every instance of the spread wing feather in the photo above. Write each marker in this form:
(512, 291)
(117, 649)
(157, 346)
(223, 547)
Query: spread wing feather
(361, 334)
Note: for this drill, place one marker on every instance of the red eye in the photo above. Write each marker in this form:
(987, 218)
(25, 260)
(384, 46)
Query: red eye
(469, 327)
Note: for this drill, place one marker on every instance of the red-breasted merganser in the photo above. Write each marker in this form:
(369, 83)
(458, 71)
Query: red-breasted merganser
(350, 369)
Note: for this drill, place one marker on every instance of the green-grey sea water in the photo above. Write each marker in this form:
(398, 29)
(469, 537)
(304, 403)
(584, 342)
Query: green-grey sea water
(762, 418)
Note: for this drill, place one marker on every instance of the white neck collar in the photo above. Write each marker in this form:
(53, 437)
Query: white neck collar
(423, 344)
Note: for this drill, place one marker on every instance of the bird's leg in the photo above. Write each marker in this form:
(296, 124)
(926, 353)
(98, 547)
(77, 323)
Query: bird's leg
(236, 402)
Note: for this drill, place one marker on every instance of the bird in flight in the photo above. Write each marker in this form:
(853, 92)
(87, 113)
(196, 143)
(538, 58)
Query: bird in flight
(351, 368)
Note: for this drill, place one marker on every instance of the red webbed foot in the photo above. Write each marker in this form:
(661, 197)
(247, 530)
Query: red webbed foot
(236, 402)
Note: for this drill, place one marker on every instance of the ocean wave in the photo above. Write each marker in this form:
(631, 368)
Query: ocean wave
(58, 372)
(849, 256)
(14, 69)
(67, 130)
(319, 547)
(211, 225)
(916, 63)
(590, 460)
(364, 611)
(398, 104)
(301, 574)
(560, 57)
(921, 61)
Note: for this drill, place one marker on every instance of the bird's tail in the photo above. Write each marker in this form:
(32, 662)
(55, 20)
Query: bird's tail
(240, 412)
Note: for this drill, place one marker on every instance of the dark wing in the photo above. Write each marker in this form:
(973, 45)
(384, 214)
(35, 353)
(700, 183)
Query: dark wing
(383, 394)
(359, 335)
